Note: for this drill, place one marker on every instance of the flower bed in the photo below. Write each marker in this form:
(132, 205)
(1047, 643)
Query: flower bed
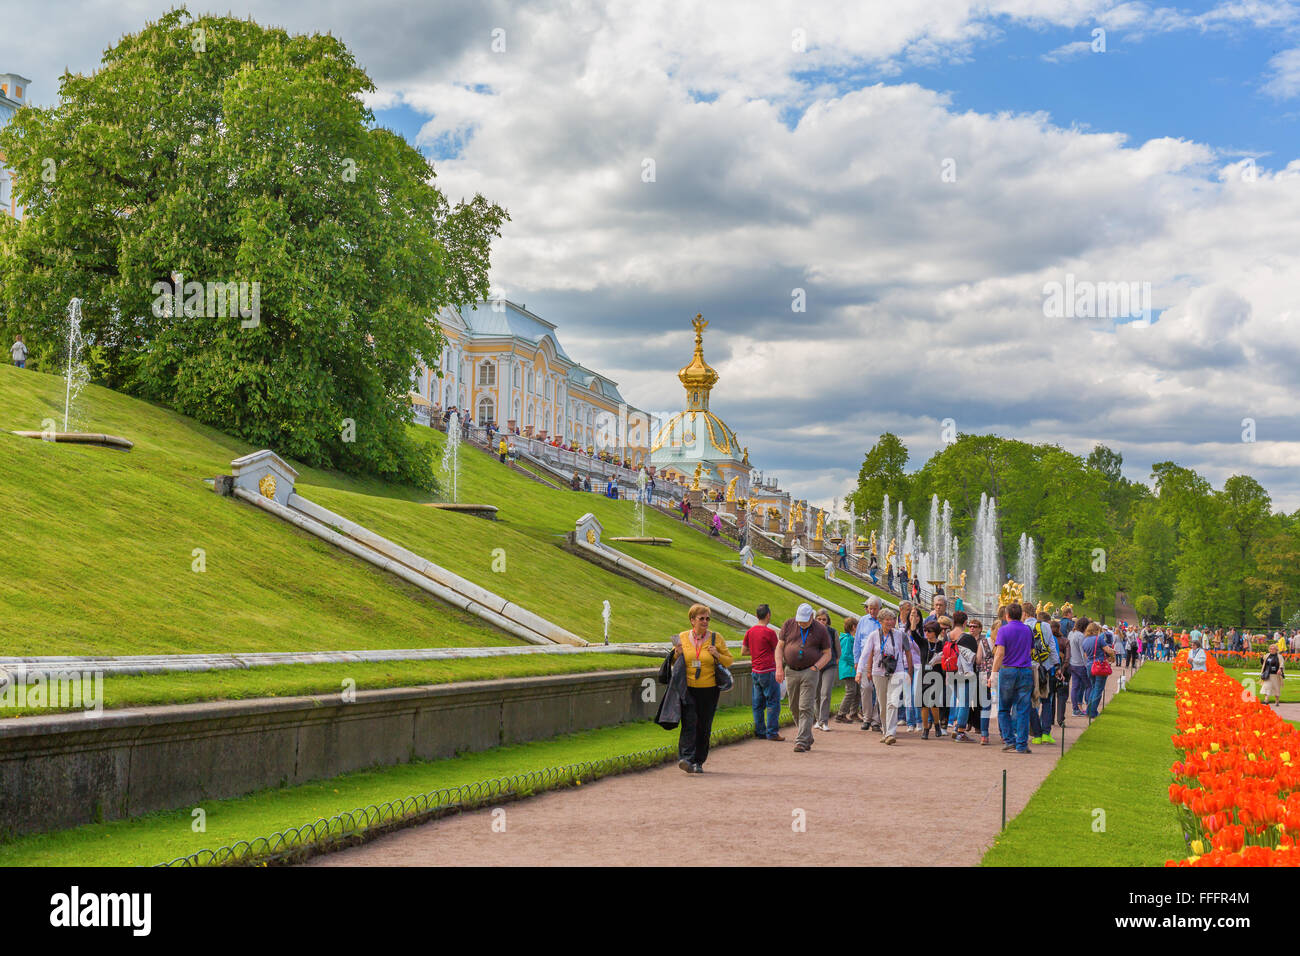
(1237, 788)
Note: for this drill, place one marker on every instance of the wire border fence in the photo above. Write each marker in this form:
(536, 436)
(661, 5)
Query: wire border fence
(358, 825)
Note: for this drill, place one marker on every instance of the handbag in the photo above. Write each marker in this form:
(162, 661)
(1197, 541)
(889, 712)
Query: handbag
(721, 675)
(666, 669)
(1100, 666)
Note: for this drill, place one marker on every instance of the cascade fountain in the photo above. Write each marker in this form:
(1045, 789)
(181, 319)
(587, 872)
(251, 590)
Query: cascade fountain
(605, 615)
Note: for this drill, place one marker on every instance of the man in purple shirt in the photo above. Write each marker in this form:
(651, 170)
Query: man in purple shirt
(1015, 677)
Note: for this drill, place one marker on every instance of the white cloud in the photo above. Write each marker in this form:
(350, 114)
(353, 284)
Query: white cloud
(1284, 75)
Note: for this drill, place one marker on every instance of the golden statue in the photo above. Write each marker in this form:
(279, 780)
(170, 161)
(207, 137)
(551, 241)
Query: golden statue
(695, 486)
(1012, 593)
(821, 524)
(907, 562)
(731, 488)
(963, 581)
(699, 324)
(752, 505)
(873, 540)
(267, 486)
(1046, 607)
(745, 459)
(889, 558)
(796, 514)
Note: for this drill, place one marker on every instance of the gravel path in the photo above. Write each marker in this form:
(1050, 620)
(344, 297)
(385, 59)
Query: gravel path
(861, 803)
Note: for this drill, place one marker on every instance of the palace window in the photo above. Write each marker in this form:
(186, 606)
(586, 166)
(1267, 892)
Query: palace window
(487, 374)
(486, 411)
(516, 377)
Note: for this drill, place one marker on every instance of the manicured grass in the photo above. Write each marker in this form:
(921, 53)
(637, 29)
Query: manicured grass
(96, 538)
(97, 547)
(1120, 765)
(160, 837)
(292, 680)
(1290, 686)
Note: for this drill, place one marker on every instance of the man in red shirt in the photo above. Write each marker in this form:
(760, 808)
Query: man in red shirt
(760, 644)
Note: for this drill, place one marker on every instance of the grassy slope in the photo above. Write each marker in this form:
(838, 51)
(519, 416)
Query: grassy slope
(127, 555)
(561, 586)
(97, 544)
(159, 837)
(1120, 765)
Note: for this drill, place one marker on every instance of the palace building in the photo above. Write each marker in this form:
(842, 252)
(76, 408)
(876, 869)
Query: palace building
(13, 97)
(504, 364)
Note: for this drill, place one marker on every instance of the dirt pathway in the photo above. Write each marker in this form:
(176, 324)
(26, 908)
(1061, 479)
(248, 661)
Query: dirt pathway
(860, 803)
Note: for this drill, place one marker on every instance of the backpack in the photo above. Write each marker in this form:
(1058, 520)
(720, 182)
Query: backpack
(1040, 653)
(949, 659)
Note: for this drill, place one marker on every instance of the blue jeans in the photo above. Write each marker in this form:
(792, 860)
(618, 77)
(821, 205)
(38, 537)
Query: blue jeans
(961, 701)
(766, 700)
(1015, 685)
(21, 363)
(1095, 693)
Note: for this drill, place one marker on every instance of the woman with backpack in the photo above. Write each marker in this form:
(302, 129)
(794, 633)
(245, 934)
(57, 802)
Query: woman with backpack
(964, 649)
(1272, 675)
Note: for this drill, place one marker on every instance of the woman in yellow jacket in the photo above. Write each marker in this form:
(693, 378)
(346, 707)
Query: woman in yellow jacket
(700, 649)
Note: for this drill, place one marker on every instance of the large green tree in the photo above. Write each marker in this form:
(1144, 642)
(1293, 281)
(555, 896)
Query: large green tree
(222, 151)
(881, 474)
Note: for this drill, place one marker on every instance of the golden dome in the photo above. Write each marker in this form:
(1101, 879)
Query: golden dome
(698, 377)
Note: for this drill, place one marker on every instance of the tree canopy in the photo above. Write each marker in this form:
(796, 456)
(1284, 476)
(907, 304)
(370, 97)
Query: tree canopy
(224, 152)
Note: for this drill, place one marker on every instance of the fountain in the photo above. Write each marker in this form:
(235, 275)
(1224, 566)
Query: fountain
(884, 522)
(604, 612)
(1027, 566)
(642, 481)
(451, 469)
(986, 575)
(76, 376)
(451, 453)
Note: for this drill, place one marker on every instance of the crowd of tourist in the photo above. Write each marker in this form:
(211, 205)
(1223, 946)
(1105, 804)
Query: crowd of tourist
(937, 675)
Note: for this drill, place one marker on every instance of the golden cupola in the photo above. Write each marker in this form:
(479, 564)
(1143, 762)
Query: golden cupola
(699, 376)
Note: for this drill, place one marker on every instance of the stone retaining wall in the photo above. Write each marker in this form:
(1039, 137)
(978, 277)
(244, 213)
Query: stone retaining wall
(69, 769)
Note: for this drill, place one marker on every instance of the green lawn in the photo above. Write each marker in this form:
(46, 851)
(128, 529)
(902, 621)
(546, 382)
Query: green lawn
(97, 548)
(96, 539)
(160, 837)
(1120, 765)
(292, 680)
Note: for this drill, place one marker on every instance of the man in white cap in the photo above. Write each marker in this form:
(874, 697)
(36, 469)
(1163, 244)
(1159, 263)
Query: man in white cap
(801, 653)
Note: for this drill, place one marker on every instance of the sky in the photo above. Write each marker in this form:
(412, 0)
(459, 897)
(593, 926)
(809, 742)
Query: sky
(925, 178)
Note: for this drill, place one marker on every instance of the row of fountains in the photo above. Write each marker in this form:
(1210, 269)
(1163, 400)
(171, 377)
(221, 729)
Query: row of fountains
(978, 573)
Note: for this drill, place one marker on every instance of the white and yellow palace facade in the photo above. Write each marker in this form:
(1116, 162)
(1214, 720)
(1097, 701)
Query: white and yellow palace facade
(13, 97)
(504, 364)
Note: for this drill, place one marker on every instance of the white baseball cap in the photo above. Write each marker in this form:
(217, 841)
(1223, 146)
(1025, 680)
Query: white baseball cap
(804, 614)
